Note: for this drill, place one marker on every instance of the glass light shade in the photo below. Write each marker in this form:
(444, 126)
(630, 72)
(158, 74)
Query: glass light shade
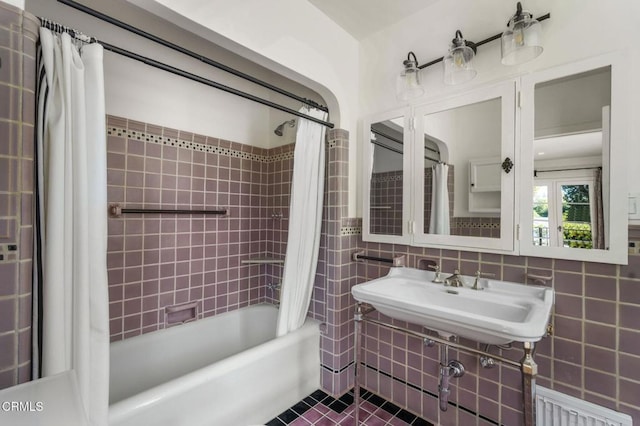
(409, 84)
(522, 41)
(458, 65)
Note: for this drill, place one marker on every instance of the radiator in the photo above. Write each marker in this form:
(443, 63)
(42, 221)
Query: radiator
(558, 409)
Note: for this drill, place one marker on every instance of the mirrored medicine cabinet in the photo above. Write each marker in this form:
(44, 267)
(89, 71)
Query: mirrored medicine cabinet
(454, 173)
(574, 179)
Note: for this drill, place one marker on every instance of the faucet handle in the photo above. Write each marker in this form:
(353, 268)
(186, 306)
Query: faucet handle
(479, 274)
(437, 279)
(476, 283)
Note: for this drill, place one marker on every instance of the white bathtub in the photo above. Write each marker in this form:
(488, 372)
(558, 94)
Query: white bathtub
(225, 370)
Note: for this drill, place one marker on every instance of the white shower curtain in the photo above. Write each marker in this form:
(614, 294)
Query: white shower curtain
(439, 223)
(305, 220)
(71, 282)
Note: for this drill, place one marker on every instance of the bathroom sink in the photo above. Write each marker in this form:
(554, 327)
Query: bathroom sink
(501, 313)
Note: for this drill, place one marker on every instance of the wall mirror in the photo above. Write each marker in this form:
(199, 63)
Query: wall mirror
(386, 178)
(463, 195)
(573, 199)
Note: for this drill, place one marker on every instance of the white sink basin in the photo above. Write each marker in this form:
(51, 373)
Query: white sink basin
(501, 313)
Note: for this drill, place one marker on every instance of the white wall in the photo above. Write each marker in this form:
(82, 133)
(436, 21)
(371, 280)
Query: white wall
(291, 37)
(297, 41)
(577, 29)
(140, 92)
(16, 3)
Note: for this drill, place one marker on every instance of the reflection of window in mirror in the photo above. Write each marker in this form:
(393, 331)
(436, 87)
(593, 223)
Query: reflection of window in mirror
(571, 167)
(472, 137)
(386, 177)
(564, 213)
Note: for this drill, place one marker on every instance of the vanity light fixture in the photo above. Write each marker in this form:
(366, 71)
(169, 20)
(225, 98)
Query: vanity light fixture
(522, 41)
(408, 84)
(458, 64)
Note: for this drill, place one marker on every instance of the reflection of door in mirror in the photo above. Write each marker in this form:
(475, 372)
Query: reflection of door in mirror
(571, 167)
(470, 140)
(386, 185)
(564, 213)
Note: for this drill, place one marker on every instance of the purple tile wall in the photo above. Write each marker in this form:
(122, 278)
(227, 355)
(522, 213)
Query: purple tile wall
(276, 216)
(159, 260)
(594, 353)
(386, 203)
(18, 32)
(337, 340)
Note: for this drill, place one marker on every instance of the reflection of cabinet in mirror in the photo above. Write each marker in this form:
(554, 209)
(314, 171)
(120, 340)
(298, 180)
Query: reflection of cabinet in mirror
(484, 185)
(573, 133)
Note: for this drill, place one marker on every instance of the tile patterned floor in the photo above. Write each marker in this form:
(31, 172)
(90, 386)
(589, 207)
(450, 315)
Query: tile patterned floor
(320, 409)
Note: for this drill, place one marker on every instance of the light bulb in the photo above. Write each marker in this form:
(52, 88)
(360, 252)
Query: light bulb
(522, 40)
(518, 35)
(408, 84)
(458, 64)
(458, 58)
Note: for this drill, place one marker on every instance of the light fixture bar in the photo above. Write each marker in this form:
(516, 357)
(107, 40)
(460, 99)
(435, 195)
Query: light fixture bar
(480, 43)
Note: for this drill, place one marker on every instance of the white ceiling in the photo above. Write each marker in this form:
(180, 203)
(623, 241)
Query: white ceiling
(361, 18)
(568, 146)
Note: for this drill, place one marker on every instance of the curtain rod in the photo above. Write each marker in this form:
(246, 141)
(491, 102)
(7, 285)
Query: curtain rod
(57, 27)
(397, 151)
(190, 53)
(190, 76)
(210, 83)
(398, 141)
(535, 172)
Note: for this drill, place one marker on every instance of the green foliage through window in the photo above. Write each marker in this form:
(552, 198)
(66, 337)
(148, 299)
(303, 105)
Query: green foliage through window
(577, 235)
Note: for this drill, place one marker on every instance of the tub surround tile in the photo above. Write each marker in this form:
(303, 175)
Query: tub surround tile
(182, 259)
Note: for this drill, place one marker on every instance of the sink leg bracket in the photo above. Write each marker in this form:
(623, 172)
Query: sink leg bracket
(357, 354)
(527, 364)
(529, 370)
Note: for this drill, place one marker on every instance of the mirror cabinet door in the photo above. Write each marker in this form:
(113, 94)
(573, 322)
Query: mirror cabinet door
(571, 137)
(463, 197)
(385, 166)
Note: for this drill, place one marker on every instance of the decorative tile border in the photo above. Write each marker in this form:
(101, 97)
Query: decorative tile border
(466, 223)
(350, 230)
(280, 157)
(388, 178)
(195, 146)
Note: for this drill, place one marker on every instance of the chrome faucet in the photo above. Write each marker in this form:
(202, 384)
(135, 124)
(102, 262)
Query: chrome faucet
(454, 280)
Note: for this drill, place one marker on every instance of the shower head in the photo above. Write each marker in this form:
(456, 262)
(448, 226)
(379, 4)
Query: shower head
(280, 129)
